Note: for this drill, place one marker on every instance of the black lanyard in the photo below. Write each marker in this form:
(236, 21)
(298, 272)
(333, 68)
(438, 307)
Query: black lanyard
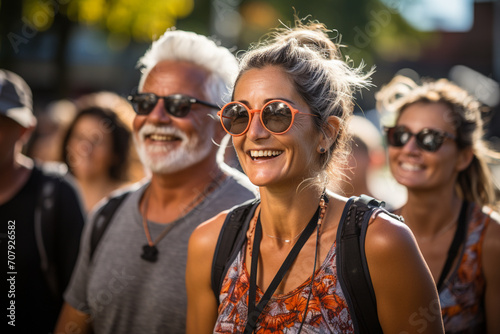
(254, 311)
(458, 239)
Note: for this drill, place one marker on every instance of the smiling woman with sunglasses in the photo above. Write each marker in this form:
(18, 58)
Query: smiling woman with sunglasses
(436, 152)
(291, 101)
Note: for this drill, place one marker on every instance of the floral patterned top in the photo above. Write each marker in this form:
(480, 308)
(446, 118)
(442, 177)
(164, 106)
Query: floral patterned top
(327, 311)
(462, 294)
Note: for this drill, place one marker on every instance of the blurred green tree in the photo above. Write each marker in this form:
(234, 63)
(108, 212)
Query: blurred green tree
(369, 28)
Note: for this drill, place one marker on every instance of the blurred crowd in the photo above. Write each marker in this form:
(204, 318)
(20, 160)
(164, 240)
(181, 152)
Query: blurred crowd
(422, 150)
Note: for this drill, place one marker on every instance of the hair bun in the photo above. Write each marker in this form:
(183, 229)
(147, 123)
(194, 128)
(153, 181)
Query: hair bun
(313, 36)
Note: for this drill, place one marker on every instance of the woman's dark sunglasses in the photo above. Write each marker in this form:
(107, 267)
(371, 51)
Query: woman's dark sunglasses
(177, 105)
(427, 139)
(276, 116)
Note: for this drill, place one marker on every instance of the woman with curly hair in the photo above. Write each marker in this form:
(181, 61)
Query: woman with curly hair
(437, 152)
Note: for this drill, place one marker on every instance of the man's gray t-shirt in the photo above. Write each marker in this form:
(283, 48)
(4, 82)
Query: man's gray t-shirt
(122, 292)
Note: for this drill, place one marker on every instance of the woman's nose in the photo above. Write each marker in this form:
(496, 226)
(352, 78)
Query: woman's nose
(411, 145)
(256, 130)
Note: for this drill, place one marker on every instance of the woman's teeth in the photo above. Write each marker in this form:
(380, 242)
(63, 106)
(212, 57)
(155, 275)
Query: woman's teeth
(411, 167)
(264, 153)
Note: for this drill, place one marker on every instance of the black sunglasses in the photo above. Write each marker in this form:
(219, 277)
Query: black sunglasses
(427, 139)
(177, 105)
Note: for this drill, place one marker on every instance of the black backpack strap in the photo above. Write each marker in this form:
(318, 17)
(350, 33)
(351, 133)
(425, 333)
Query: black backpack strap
(352, 267)
(231, 239)
(46, 231)
(458, 240)
(103, 218)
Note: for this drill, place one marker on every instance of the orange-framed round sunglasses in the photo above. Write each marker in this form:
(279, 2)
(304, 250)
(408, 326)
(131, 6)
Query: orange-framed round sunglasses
(276, 116)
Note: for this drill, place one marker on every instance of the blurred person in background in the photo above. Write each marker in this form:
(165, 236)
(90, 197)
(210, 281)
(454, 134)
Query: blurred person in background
(366, 159)
(45, 142)
(436, 150)
(134, 280)
(96, 149)
(125, 112)
(41, 218)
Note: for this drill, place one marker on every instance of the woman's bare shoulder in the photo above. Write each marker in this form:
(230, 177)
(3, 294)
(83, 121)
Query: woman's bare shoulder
(491, 246)
(387, 234)
(385, 229)
(207, 233)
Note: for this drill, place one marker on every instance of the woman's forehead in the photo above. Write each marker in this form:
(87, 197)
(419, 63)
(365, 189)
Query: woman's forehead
(265, 83)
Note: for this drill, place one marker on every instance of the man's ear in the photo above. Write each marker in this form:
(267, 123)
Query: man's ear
(329, 135)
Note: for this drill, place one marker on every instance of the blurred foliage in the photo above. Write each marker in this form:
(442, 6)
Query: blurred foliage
(371, 30)
(125, 19)
(365, 26)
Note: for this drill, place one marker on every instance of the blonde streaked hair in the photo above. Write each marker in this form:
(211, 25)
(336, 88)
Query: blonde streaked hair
(474, 184)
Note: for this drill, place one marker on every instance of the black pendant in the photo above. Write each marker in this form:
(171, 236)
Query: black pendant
(149, 253)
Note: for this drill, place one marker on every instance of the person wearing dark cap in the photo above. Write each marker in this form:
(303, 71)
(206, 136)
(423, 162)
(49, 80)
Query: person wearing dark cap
(41, 221)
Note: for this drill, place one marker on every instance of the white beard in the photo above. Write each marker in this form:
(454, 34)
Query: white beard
(161, 159)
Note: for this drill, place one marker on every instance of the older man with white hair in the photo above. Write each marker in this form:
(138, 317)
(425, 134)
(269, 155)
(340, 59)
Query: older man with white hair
(132, 281)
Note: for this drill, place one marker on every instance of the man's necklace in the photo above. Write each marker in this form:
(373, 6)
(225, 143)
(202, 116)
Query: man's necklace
(150, 251)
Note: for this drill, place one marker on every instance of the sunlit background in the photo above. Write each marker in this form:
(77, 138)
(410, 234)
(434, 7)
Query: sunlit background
(66, 48)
